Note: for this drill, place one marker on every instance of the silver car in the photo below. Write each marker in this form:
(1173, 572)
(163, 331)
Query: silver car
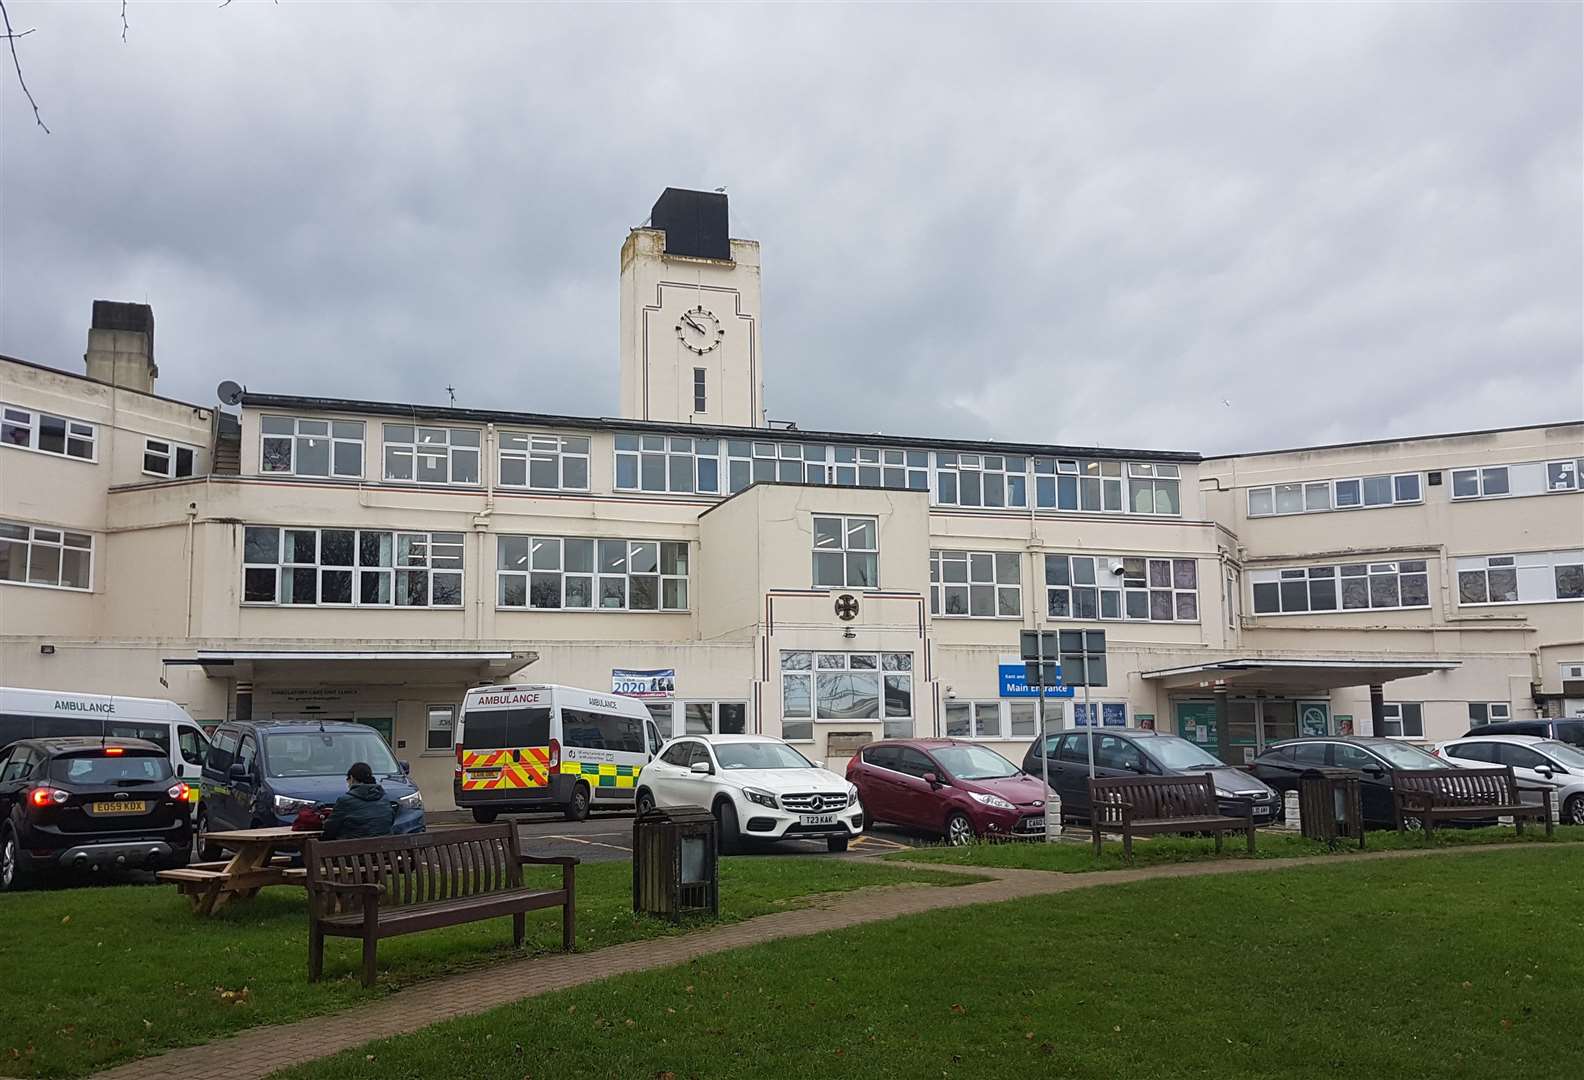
(1536, 764)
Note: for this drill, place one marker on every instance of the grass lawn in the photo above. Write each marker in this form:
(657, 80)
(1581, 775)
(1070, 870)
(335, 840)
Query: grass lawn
(1462, 966)
(1075, 858)
(100, 975)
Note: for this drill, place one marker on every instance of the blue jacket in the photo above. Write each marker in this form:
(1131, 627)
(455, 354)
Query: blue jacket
(362, 811)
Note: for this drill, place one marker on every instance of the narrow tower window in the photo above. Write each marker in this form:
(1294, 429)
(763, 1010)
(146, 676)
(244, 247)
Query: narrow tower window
(699, 399)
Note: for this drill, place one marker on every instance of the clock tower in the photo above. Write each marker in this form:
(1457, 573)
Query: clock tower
(690, 317)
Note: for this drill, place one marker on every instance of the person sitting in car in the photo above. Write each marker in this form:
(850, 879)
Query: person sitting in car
(363, 810)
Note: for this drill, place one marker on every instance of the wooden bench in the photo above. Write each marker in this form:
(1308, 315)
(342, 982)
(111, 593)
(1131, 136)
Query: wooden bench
(1149, 805)
(1432, 795)
(388, 885)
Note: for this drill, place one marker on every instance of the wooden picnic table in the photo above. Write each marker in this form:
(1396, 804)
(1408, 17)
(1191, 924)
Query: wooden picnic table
(261, 857)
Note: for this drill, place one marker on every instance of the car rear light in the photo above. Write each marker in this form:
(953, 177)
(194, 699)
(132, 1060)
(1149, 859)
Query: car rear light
(457, 769)
(179, 792)
(115, 751)
(555, 756)
(43, 796)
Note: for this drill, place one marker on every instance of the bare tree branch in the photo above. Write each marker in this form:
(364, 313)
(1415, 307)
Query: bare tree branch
(11, 37)
(123, 22)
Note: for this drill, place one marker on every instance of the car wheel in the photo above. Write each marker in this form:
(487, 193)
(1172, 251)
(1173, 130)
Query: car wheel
(578, 808)
(485, 817)
(959, 830)
(1573, 812)
(836, 843)
(643, 803)
(730, 835)
(206, 851)
(13, 871)
(1413, 823)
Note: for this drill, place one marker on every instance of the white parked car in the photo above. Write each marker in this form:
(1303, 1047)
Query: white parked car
(757, 788)
(1535, 762)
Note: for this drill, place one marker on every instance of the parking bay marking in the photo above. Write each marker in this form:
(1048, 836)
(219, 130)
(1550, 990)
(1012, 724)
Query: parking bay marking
(592, 843)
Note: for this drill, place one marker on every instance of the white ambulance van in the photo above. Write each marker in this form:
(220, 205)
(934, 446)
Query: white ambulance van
(524, 748)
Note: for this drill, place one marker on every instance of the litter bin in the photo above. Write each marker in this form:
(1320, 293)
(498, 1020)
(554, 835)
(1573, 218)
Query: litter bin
(1330, 806)
(674, 864)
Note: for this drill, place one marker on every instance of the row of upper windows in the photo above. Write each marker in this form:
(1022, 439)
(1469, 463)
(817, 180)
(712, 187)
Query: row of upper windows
(1530, 578)
(1397, 489)
(675, 464)
(48, 433)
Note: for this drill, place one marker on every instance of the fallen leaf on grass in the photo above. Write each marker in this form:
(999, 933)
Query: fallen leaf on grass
(958, 1009)
(65, 920)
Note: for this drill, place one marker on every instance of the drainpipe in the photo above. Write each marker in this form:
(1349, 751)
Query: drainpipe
(192, 517)
(481, 528)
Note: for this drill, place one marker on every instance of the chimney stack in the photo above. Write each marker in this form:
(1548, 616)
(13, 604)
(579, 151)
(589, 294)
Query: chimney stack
(121, 345)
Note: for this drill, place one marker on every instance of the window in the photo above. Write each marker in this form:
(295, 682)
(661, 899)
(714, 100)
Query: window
(1534, 577)
(1094, 486)
(1351, 587)
(1312, 755)
(1120, 754)
(714, 718)
(248, 754)
(1022, 719)
(432, 455)
(351, 568)
(1482, 712)
(978, 584)
(602, 731)
(193, 746)
(168, 459)
(1112, 714)
(545, 462)
(1519, 479)
(576, 573)
(1402, 719)
(846, 553)
(1146, 589)
(1519, 757)
(990, 480)
(38, 555)
(663, 463)
(700, 399)
(1564, 475)
(304, 447)
(222, 751)
(866, 466)
(767, 462)
(1319, 496)
(846, 686)
(1153, 488)
(28, 429)
(440, 729)
(973, 719)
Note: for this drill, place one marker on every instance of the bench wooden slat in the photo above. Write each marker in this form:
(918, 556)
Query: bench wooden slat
(1430, 795)
(421, 882)
(189, 873)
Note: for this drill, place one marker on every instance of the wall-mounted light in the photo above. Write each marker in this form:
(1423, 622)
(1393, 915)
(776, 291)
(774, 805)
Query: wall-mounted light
(848, 634)
(47, 650)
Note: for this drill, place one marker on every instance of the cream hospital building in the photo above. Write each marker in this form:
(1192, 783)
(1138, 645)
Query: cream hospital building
(283, 555)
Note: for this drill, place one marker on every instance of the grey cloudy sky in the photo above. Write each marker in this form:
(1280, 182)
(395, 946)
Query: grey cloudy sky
(1072, 224)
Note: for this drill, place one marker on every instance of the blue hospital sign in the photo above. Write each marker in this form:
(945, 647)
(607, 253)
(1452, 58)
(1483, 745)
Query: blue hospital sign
(1014, 684)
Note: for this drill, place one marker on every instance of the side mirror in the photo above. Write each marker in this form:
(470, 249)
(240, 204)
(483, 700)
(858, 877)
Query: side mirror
(931, 779)
(1545, 770)
(1373, 770)
(239, 772)
(405, 767)
(702, 768)
(819, 764)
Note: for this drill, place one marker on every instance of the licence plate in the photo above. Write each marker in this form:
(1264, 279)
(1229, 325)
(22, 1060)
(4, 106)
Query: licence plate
(135, 806)
(482, 774)
(817, 819)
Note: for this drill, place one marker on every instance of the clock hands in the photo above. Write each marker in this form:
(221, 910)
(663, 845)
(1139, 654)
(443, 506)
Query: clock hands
(687, 317)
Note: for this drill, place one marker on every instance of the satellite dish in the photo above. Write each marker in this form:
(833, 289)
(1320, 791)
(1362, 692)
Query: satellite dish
(229, 392)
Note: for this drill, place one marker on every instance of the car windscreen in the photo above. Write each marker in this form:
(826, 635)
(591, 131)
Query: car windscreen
(1171, 752)
(760, 755)
(497, 729)
(1399, 756)
(327, 753)
(97, 767)
(974, 763)
(1568, 756)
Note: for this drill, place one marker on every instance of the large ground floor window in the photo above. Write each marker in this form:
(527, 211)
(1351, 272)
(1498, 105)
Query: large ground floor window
(845, 686)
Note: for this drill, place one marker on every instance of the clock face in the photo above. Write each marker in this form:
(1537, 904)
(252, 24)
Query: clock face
(699, 330)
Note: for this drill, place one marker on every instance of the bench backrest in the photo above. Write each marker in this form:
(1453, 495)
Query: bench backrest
(1153, 797)
(1494, 786)
(422, 867)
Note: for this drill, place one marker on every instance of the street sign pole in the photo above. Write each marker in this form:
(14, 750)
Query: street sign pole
(1091, 723)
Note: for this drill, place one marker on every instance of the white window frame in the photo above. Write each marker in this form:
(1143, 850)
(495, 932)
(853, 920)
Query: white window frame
(1339, 576)
(335, 437)
(803, 667)
(1522, 567)
(171, 451)
(546, 557)
(684, 716)
(1141, 577)
(1324, 496)
(430, 729)
(1559, 476)
(1016, 707)
(744, 463)
(1004, 474)
(703, 470)
(18, 420)
(979, 711)
(877, 467)
(442, 445)
(1156, 479)
(22, 541)
(700, 390)
(530, 448)
(980, 570)
(1395, 713)
(850, 525)
(388, 568)
(1481, 713)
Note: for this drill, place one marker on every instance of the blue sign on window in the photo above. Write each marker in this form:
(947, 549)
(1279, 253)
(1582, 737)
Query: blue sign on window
(1014, 684)
(1112, 714)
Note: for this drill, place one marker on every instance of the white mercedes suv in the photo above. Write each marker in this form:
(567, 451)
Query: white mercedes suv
(757, 787)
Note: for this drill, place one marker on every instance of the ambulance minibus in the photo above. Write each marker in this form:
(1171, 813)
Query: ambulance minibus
(42, 714)
(524, 748)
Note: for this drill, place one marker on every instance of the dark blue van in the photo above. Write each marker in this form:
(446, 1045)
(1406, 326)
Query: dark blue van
(261, 773)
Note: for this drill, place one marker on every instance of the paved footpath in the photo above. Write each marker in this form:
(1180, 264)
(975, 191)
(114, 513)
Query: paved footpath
(260, 1051)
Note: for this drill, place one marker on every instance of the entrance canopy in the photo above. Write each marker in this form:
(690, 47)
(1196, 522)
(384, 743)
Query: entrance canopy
(1305, 675)
(371, 665)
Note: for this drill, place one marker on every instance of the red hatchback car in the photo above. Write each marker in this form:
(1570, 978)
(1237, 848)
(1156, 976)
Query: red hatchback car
(959, 789)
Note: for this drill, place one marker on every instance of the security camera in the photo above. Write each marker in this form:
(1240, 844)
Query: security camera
(1118, 570)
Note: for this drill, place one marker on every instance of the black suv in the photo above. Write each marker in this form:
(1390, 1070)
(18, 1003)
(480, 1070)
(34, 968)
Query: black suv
(85, 803)
(1568, 730)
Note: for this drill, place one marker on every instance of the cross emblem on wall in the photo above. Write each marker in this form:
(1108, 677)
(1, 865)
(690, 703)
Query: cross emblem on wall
(846, 607)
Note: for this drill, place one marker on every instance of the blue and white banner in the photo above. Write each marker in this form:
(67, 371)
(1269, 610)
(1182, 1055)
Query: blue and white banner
(644, 682)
